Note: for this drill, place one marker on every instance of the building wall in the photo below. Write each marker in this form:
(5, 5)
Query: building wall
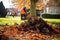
(53, 7)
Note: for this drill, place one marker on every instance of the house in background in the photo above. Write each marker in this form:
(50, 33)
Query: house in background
(52, 7)
(12, 12)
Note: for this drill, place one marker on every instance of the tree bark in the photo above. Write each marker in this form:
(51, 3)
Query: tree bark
(32, 9)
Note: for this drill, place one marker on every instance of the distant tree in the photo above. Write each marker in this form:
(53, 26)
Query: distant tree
(3, 11)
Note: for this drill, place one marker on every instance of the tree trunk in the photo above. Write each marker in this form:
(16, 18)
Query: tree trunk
(32, 9)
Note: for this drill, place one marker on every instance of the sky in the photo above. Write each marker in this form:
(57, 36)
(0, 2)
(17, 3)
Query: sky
(7, 3)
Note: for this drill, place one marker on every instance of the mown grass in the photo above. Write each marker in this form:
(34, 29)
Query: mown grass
(17, 19)
(10, 20)
(54, 22)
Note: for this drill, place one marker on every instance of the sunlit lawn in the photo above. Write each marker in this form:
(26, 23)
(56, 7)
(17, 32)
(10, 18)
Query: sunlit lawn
(17, 19)
(55, 22)
(10, 20)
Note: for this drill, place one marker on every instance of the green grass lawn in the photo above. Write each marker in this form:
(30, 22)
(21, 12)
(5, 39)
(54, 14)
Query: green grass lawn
(55, 22)
(11, 20)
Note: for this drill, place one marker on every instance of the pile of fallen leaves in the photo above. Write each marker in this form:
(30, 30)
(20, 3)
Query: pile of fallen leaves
(33, 28)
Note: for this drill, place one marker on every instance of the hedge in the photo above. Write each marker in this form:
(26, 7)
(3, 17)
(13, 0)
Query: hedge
(55, 16)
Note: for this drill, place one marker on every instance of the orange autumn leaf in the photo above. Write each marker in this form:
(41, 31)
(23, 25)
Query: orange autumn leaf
(35, 37)
(30, 36)
(14, 32)
(41, 36)
(6, 34)
(56, 30)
